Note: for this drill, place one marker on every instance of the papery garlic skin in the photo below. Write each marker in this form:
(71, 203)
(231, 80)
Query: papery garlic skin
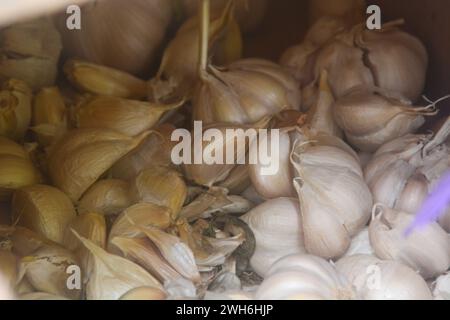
(335, 202)
(278, 232)
(425, 250)
(375, 279)
(360, 244)
(304, 277)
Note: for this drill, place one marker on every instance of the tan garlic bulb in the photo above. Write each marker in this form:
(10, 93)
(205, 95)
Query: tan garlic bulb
(43, 209)
(105, 81)
(371, 117)
(82, 156)
(30, 52)
(15, 109)
(129, 117)
(335, 202)
(46, 270)
(278, 232)
(155, 150)
(404, 171)
(49, 115)
(177, 74)
(425, 250)
(374, 279)
(133, 34)
(244, 92)
(108, 197)
(249, 13)
(16, 168)
(350, 10)
(304, 277)
(161, 186)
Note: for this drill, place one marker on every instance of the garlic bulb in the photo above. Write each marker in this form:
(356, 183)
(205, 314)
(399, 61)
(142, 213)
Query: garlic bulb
(111, 276)
(155, 150)
(129, 117)
(177, 75)
(375, 279)
(350, 10)
(49, 115)
(278, 232)
(30, 52)
(371, 117)
(133, 33)
(403, 172)
(46, 270)
(249, 13)
(81, 156)
(441, 290)
(105, 81)
(425, 250)
(304, 277)
(334, 200)
(16, 168)
(15, 110)
(108, 197)
(244, 92)
(144, 293)
(360, 244)
(43, 209)
(8, 267)
(161, 186)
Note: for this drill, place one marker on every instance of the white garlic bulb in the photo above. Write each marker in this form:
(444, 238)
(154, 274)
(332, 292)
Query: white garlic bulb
(304, 277)
(374, 279)
(425, 250)
(335, 202)
(277, 230)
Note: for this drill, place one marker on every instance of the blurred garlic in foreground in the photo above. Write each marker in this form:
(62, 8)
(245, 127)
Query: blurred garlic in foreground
(304, 277)
(425, 250)
(375, 279)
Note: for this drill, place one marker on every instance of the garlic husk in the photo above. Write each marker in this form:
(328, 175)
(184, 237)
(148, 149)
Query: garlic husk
(238, 180)
(249, 13)
(154, 150)
(25, 242)
(360, 244)
(43, 209)
(374, 279)
(41, 296)
(30, 52)
(304, 277)
(144, 293)
(335, 202)
(15, 111)
(46, 270)
(142, 214)
(244, 92)
(425, 250)
(176, 77)
(143, 252)
(129, 117)
(111, 276)
(79, 159)
(8, 267)
(108, 197)
(277, 230)
(134, 34)
(371, 117)
(441, 287)
(349, 10)
(161, 186)
(49, 115)
(101, 80)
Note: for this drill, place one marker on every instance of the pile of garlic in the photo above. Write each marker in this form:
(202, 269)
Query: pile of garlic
(92, 206)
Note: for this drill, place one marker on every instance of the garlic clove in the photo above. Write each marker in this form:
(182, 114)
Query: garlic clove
(413, 195)
(80, 158)
(103, 80)
(161, 186)
(108, 197)
(144, 293)
(43, 209)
